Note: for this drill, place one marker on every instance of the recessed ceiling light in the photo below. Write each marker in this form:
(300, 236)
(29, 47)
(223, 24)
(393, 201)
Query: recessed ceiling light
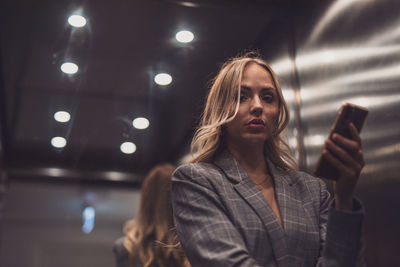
(163, 79)
(77, 21)
(62, 116)
(184, 36)
(69, 68)
(140, 123)
(128, 148)
(58, 142)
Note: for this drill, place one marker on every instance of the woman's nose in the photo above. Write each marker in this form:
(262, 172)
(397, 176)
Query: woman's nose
(256, 104)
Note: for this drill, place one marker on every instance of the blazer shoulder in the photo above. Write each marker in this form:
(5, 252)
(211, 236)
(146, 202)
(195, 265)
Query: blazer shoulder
(201, 172)
(308, 178)
(313, 184)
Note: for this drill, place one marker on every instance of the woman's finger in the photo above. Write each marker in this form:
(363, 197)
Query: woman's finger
(355, 135)
(348, 144)
(354, 161)
(339, 165)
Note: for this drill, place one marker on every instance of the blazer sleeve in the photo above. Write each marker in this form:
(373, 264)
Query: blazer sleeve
(207, 235)
(340, 232)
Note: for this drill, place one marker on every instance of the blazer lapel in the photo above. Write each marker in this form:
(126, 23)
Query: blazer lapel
(246, 188)
(291, 201)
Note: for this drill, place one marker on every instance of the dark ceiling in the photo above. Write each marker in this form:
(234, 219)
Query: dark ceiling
(124, 44)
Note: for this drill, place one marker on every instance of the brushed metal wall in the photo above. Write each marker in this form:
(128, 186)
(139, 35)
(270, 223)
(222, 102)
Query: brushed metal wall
(352, 54)
(349, 51)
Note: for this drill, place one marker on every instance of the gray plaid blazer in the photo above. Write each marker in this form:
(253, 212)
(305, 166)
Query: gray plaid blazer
(223, 220)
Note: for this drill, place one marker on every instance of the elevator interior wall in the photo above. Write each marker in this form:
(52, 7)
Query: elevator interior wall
(347, 51)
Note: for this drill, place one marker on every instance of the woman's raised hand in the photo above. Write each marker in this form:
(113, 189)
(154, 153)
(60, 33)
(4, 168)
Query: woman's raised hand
(346, 156)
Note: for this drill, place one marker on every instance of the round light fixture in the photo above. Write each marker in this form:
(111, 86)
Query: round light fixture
(62, 116)
(184, 36)
(163, 79)
(58, 142)
(128, 148)
(69, 68)
(140, 123)
(77, 21)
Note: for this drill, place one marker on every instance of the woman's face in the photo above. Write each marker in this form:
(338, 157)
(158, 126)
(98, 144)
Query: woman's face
(258, 110)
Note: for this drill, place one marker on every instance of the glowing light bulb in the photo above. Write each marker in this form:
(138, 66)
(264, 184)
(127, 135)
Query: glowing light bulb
(58, 142)
(184, 36)
(163, 79)
(77, 21)
(62, 116)
(69, 68)
(141, 123)
(128, 148)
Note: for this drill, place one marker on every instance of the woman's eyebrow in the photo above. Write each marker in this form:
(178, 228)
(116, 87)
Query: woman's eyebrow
(267, 88)
(245, 88)
(272, 89)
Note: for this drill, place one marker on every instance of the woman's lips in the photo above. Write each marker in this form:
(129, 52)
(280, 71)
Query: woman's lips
(256, 124)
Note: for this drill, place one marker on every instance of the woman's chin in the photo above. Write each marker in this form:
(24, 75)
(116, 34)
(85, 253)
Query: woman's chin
(255, 140)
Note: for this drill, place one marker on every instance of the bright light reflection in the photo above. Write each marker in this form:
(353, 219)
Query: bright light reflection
(88, 216)
(58, 142)
(331, 107)
(128, 148)
(390, 34)
(288, 95)
(77, 21)
(69, 68)
(115, 176)
(189, 4)
(140, 123)
(334, 10)
(328, 56)
(184, 36)
(62, 116)
(335, 55)
(384, 151)
(382, 73)
(314, 140)
(292, 142)
(163, 79)
(55, 172)
(282, 66)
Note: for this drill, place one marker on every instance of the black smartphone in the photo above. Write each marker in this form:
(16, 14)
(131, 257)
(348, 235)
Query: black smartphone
(346, 114)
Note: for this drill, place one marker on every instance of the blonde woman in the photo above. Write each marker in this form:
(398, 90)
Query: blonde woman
(151, 239)
(241, 201)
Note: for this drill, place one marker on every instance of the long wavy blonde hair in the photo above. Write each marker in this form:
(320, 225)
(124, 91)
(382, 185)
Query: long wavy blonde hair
(222, 99)
(152, 236)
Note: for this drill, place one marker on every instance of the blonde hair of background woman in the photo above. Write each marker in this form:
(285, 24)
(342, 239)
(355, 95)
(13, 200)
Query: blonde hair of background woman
(152, 236)
(222, 106)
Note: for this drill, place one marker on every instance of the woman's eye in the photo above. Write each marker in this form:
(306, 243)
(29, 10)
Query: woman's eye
(268, 98)
(242, 98)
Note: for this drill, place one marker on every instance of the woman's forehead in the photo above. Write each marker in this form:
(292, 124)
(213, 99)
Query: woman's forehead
(255, 75)
(254, 70)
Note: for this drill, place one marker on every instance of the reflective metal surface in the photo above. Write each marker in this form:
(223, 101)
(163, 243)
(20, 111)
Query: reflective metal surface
(350, 52)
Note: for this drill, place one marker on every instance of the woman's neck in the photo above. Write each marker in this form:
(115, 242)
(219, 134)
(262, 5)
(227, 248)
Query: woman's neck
(250, 157)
